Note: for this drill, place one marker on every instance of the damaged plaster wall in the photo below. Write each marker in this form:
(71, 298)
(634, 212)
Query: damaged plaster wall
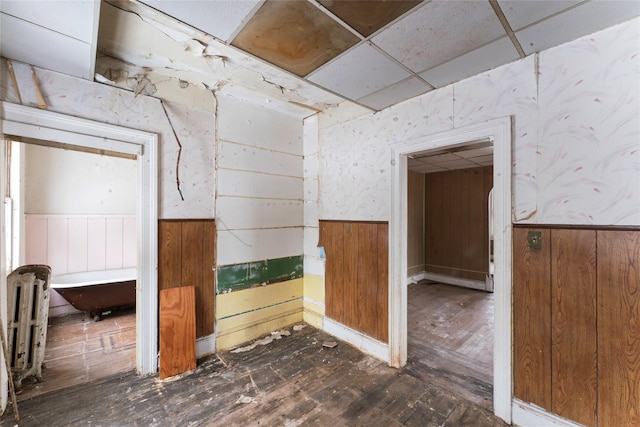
(194, 128)
(576, 152)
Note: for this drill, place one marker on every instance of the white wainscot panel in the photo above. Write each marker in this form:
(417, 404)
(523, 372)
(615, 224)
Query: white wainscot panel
(240, 213)
(243, 157)
(251, 184)
(238, 246)
(311, 213)
(311, 239)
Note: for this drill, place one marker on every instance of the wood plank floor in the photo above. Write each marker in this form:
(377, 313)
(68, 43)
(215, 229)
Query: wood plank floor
(295, 381)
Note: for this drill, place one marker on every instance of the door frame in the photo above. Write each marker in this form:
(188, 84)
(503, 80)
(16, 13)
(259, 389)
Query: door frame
(31, 122)
(500, 132)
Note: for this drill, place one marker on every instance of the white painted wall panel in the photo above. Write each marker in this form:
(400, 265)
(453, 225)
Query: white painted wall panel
(129, 243)
(57, 248)
(249, 158)
(248, 124)
(239, 213)
(113, 244)
(238, 246)
(249, 184)
(77, 237)
(35, 240)
(97, 244)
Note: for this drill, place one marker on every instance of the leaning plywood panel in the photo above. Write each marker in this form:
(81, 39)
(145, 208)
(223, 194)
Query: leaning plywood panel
(618, 328)
(177, 331)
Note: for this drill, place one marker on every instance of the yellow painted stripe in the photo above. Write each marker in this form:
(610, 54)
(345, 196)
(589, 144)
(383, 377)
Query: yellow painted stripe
(241, 334)
(312, 317)
(235, 303)
(314, 288)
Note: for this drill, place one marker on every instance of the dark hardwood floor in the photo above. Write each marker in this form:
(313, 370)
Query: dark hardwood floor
(293, 381)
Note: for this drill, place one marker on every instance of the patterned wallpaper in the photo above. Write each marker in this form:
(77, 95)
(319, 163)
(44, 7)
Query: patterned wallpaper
(576, 152)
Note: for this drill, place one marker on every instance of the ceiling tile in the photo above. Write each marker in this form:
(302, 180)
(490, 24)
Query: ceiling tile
(393, 94)
(427, 169)
(521, 13)
(368, 16)
(296, 36)
(457, 164)
(217, 18)
(361, 71)
(440, 31)
(77, 19)
(483, 160)
(583, 19)
(487, 57)
(475, 153)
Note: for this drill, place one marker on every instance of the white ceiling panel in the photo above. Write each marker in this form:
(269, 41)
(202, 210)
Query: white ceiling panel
(476, 152)
(485, 58)
(440, 31)
(584, 19)
(359, 72)
(36, 45)
(427, 169)
(77, 19)
(217, 18)
(521, 13)
(393, 94)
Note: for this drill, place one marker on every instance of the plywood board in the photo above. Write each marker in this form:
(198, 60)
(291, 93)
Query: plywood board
(177, 331)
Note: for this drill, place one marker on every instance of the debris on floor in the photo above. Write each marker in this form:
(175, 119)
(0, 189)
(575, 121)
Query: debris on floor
(275, 335)
(329, 344)
(299, 327)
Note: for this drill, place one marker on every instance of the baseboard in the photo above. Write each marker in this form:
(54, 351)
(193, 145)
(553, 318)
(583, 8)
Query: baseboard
(529, 415)
(312, 312)
(357, 339)
(205, 345)
(415, 278)
(467, 283)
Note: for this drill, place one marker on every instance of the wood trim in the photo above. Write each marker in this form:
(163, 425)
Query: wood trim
(577, 227)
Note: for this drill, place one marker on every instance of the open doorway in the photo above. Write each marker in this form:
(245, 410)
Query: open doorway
(29, 122)
(450, 285)
(74, 210)
(499, 132)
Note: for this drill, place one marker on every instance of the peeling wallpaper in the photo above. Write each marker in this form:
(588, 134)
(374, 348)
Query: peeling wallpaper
(576, 151)
(194, 128)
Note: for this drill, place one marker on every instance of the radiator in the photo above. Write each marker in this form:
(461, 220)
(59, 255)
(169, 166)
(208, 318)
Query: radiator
(28, 313)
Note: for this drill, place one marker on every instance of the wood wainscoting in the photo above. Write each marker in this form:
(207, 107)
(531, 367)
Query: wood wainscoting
(187, 257)
(576, 310)
(356, 275)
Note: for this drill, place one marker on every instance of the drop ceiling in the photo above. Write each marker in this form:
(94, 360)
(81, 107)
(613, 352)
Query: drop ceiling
(309, 53)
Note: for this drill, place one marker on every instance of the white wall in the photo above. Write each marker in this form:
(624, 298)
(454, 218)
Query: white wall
(576, 152)
(259, 202)
(71, 182)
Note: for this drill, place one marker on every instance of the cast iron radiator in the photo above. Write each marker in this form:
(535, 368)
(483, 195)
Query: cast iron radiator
(28, 313)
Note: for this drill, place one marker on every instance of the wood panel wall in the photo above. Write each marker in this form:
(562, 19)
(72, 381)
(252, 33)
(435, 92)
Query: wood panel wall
(576, 307)
(356, 275)
(456, 222)
(186, 257)
(415, 223)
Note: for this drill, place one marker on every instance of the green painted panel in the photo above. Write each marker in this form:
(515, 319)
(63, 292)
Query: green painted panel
(247, 275)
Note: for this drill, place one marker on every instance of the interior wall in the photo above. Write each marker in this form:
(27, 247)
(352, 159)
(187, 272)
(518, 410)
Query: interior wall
(576, 115)
(415, 223)
(457, 222)
(61, 181)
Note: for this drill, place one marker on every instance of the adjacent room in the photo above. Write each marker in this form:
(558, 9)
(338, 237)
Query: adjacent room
(414, 212)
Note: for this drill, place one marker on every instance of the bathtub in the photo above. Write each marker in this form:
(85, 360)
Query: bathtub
(97, 292)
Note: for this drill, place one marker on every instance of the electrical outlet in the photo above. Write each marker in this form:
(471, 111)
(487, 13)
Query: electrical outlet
(535, 239)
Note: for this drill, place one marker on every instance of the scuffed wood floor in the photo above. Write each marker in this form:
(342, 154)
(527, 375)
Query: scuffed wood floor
(292, 381)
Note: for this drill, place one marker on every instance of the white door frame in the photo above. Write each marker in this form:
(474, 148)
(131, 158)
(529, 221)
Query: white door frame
(499, 130)
(45, 125)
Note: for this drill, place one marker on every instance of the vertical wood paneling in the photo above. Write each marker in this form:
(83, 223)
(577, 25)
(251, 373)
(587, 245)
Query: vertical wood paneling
(618, 328)
(456, 222)
(573, 341)
(114, 243)
(97, 244)
(356, 275)
(78, 250)
(367, 281)
(57, 254)
(350, 234)
(169, 254)
(207, 292)
(129, 243)
(532, 319)
(186, 257)
(382, 309)
(415, 222)
(36, 241)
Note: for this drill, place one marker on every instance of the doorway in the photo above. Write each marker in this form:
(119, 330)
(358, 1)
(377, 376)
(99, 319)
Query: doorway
(74, 209)
(29, 122)
(499, 132)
